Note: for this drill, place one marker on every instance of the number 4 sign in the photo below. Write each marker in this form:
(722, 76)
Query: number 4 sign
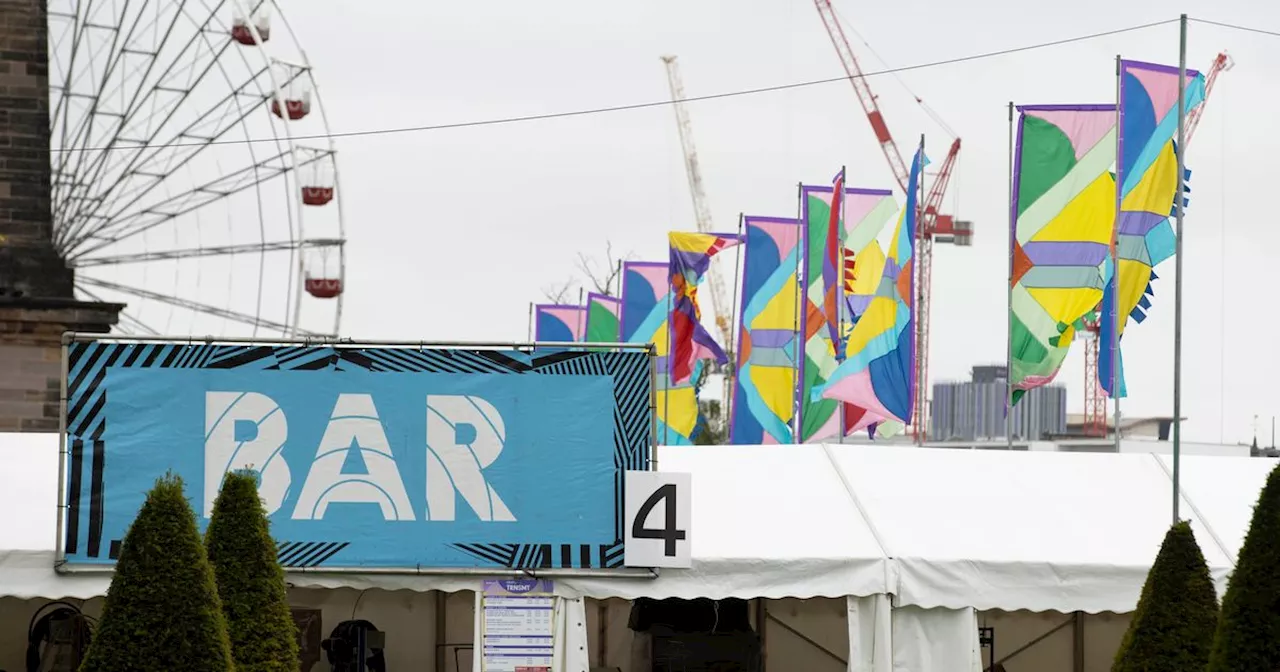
(658, 515)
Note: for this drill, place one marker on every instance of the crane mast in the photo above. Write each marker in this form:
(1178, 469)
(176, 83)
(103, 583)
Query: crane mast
(1095, 399)
(868, 99)
(701, 212)
(931, 226)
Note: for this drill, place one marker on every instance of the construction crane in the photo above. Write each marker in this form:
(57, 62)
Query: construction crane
(701, 213)
(1095, 399)
(931, 226)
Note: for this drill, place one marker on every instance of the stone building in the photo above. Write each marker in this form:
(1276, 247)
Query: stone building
(37, 302)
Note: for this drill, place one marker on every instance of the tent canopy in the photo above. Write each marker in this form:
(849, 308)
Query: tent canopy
(934, 527)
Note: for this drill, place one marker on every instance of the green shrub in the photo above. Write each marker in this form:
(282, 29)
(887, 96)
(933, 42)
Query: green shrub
(1172, 628)
(250, 579)
(162, 611)
(1248, 637)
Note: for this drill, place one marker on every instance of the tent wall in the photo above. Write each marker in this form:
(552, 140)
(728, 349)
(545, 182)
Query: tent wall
(1048, 641)
(408, 618)
(936, 640)
(799, 634)
(15, 617)
(795, 634)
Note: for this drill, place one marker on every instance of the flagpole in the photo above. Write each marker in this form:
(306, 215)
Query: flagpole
(731, 376)
(1179, 200)
(840, 307)
(530, 335)
(798, 432)
(1115, 263)
(1013, 241)
(582, 316)
(666, 385)
(918, 291)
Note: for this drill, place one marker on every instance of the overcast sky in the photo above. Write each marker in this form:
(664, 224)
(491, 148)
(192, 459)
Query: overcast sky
(452, 232)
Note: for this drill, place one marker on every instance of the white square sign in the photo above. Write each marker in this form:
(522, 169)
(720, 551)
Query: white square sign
(658, 516)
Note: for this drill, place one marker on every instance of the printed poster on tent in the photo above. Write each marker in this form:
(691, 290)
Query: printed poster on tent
(367, 456)
(518, 625)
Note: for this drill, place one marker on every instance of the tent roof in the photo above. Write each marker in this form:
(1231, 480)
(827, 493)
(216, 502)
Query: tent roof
(1037, 531)
(934, 527)
(768, 521)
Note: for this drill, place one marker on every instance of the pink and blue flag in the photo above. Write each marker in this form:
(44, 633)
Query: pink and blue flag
(878, 371)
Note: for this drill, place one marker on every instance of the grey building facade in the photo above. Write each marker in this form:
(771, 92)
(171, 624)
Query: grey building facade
(974, 410)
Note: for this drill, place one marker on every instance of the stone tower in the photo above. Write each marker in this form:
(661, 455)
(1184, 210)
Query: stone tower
(37, 303)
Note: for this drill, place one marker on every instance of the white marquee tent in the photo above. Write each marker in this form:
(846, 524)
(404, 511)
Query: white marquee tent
(939, 534)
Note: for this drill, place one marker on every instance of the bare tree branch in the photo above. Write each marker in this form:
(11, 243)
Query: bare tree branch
(606, 280)
(560, 293)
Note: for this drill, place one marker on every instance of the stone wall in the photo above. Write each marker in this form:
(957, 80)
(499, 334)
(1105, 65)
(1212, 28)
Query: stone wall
(29, 265)
(36, 287)
(31, 356)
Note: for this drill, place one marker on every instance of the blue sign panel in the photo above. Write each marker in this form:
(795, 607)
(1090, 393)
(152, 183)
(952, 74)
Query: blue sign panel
(366, 457)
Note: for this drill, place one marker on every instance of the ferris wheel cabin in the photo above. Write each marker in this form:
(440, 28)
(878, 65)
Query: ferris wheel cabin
(316, 195)
(315, 175)
(324, 288)
(295, 107)
(241, 31)
(322, 276)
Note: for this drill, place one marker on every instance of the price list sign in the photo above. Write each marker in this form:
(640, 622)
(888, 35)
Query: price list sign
(518, 625)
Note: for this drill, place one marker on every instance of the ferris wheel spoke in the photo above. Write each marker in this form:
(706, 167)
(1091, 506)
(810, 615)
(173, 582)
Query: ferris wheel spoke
(79, 139)
(138, 135)
(79, 29)
(144, 133)
(120, 226)
(195, 306)
(144, 176)
(131, 322)
(218, 251)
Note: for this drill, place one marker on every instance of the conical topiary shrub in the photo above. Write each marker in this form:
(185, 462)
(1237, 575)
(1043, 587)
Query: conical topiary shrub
(1172, 628)
(250, 580)
(1248, 637)
(162, 611)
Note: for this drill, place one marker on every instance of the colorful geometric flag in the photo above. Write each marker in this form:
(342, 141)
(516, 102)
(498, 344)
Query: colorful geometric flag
(1063, 214)
(866, 211)
(559, 323)
(1147, 175)
(690, 341)
(878, 373)
(603, 313)
(646, 305)
(768, 346)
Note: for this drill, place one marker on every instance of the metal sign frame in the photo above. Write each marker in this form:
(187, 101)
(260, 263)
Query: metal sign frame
(62, 565)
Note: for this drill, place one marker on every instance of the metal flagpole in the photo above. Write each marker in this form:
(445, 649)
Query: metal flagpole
(918, 304)
(840, 307)
(1013, 239)
(1115, 262)
(666, 375)
(731, 371)
(1179, 200)
(582, 317)
(801, 259)
(530, 338)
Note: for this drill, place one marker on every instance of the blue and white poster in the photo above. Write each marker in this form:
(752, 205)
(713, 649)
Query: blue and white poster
(366, 456)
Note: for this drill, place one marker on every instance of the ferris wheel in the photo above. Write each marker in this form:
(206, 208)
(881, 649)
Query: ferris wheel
(194, 177)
